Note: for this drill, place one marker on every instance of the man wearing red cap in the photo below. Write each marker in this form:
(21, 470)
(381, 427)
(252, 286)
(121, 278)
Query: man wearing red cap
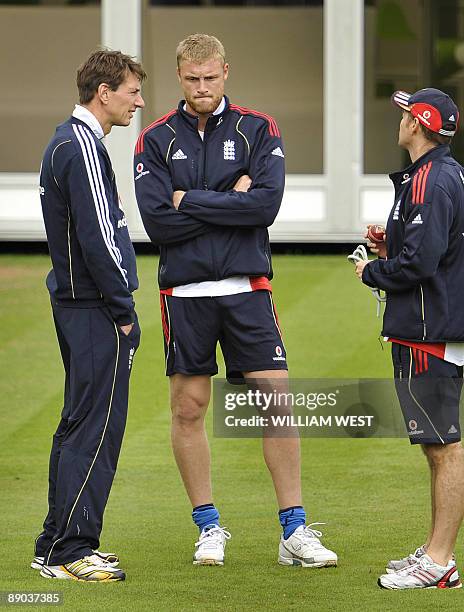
(421, 267)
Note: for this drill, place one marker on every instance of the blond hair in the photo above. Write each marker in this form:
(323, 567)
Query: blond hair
(199, 48)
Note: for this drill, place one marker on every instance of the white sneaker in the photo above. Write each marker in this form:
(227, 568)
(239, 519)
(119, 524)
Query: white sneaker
(98, 557)
(37, 562)
(304, 548)
(424, 574)
(110, 559)
(396, 565)
(209, 550)
(401, 564)
(86, 570)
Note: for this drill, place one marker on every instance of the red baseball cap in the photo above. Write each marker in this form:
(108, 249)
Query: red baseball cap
(432, 107)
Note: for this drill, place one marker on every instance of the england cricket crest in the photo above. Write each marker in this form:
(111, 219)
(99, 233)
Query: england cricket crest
(229, 150)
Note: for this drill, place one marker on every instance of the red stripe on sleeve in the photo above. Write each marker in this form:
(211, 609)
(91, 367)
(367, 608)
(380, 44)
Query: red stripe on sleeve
(424, 182)
(161, 120)
(273, 129)
(414, 188)
(419, 184)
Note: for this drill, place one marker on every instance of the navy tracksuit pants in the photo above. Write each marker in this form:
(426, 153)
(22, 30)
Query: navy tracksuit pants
(97, 358)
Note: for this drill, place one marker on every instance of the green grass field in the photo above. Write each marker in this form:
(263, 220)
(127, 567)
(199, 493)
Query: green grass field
(373, 494)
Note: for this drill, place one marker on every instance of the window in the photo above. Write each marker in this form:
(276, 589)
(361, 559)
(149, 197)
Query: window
(276, 66)
(409, 44)
(237, 2)
(39, 76)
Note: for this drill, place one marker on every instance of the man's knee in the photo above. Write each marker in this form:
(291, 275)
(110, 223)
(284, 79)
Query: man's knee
(189, 404)
(188, 412)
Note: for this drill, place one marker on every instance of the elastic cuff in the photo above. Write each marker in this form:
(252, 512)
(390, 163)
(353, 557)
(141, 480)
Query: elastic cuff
(289, 508)
(126, 319)
(203, 506)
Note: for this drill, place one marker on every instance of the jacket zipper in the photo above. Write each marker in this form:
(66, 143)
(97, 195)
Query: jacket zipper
(204, 183)
(203, 178)
(424, 325)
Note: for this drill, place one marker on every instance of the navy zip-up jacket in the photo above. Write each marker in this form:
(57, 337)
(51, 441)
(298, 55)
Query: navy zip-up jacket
(217, 232)
(424, 272)
(92, 254)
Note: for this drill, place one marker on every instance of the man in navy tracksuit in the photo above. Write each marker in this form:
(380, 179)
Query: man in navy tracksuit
(209, 179)
(421, 267)
(91, 284)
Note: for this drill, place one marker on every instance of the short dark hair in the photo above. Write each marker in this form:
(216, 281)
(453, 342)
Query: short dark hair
(105, 66)
(434, 137)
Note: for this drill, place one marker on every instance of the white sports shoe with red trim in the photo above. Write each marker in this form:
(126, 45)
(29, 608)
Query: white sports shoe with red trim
(396, 565)
(425, 574)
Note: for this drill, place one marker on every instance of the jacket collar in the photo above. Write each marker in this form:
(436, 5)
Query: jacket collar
(438, 152)
(212, 122)
(84, 115)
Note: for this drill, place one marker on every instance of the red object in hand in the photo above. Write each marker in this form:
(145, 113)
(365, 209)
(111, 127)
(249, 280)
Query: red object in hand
(376, 233)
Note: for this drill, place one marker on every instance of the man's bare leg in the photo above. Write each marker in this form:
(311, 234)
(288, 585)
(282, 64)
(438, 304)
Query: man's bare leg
(448, 462)
(189, 402)
(281, 454)
(432, 497)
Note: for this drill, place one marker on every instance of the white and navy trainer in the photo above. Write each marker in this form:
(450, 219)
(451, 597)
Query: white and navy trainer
(424, 574)
(98, 556)
(209, 550)
(304, 548)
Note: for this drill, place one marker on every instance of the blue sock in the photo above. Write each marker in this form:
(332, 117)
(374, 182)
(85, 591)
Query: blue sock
(291, 519)
(205, 516)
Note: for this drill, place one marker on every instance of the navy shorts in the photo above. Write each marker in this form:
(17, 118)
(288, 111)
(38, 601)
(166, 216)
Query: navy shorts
(245, 325)
(429, 391)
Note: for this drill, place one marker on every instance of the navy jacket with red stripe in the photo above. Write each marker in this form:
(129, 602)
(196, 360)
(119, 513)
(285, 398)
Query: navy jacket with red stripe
(423, 274)
(92, 254)
(217, 232)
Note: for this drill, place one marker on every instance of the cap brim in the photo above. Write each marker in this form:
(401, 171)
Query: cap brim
(401, 99)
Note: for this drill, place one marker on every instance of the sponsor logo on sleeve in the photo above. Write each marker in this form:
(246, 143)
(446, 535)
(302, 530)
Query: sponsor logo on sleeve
(140, 171)
(278, 151)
